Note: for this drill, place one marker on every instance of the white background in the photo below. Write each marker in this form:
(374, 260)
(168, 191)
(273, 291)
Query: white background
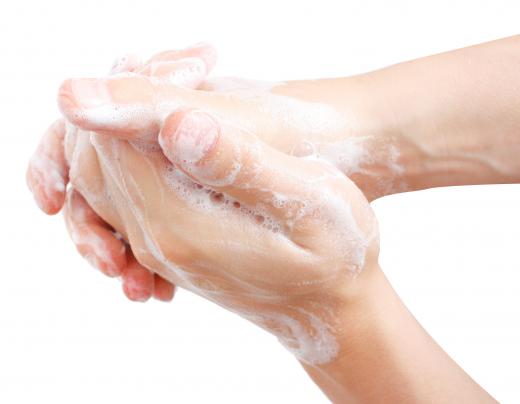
(67, 334)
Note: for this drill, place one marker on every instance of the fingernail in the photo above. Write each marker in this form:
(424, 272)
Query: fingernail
(193, 138)
(90, 93)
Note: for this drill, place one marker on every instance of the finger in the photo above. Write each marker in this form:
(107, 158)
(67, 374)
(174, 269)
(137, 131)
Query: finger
(126, 63)
(105, 251)
(138, 281)
(115, 104)
(232, 161)
(47, 174)
(129, 107)
(94, 239)
(132, 107)
(202, 50)
(185, 68)
(163, 290)
(189, 72)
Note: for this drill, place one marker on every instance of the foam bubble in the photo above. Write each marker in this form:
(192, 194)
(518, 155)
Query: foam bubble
(308, 338)
(203, 198)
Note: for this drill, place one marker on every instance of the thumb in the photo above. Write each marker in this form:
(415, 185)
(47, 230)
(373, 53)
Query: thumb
(310, 202)
(232, 161)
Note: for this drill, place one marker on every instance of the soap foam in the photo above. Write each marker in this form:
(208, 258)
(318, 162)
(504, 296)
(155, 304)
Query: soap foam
(363, 155)
(308, 338)
(49, 169)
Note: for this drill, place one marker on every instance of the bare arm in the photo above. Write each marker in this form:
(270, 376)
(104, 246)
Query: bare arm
(389, 358)
(447, 119)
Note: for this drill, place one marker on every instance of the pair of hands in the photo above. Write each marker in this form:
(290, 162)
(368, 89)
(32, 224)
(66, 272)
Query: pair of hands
(217, 191)
(255, 196)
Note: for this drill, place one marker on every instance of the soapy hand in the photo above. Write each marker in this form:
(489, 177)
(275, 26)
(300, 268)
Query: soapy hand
(245, 198)
(302, 128)
(282, 241)
(48, 175)
(278, 239)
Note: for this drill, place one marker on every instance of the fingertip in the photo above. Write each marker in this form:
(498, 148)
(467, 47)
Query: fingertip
(101, 249)
(47, 172)
(48, 204)
(67, 103)
(52, 206)
(89, 103)
(113, 264)
(76, 96)
(163, 289)
(138, 282)
(93, 238)
(121, 106)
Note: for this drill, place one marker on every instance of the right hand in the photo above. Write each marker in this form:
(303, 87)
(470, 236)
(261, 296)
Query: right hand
(274, 111)
(285, 242)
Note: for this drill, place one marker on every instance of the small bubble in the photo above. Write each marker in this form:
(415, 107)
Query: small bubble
(217, 197)
(303, 149)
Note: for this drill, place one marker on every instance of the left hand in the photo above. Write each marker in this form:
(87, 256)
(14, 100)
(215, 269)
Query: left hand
(48, 176)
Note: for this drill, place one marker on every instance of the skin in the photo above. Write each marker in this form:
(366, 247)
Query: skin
(447, 135)
(48, 175)
(237, 263)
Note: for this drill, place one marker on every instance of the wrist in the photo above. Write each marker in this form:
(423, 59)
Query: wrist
(384, 355)
(425, 123)
(372, 152)
(362, 337)
(359, 138)
(316, 327)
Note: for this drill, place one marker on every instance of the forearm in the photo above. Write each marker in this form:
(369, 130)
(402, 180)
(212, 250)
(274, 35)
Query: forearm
(386, 356)
(451, 119)
(447, 119)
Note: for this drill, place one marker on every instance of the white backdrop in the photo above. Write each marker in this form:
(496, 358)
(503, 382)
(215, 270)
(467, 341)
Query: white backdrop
(67, 334)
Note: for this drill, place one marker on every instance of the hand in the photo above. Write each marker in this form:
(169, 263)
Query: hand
(92, 179)
(383, 145)
(48, 174)
(277, 239)
(374, 326)
(288, 243)
(241, 91)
